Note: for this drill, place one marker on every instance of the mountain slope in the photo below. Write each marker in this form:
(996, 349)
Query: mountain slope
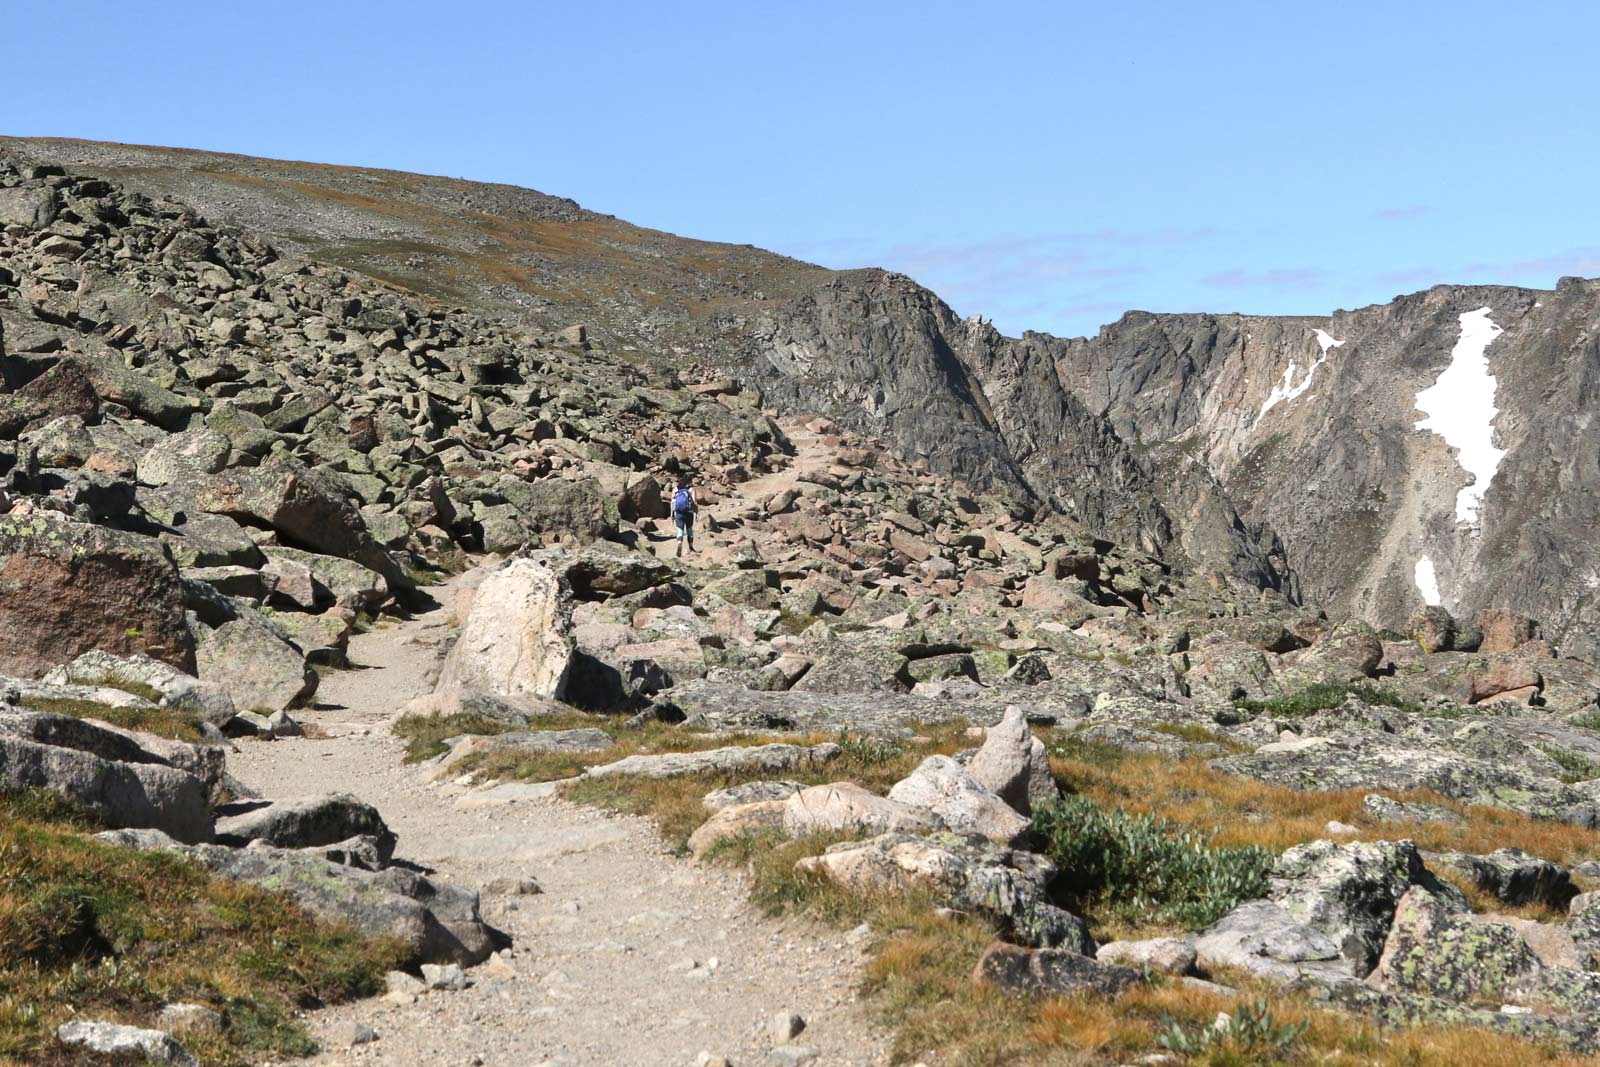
(1284, 450)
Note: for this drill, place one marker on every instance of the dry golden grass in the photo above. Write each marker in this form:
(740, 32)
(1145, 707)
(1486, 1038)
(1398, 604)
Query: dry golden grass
(117, 933)
(920, 973)
(1242, 811)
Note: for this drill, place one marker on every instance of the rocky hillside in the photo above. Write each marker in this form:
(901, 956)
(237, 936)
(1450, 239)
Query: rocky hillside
(1290, 452)
(227, 461)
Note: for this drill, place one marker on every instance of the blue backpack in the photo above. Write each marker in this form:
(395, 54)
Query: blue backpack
(682, 502)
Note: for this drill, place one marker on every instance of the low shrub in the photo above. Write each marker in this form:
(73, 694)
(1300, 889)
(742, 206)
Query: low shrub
(1323, 696)
(1143, 870)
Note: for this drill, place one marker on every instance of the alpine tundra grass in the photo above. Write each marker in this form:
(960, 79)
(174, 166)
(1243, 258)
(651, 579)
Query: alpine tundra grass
(88, 929)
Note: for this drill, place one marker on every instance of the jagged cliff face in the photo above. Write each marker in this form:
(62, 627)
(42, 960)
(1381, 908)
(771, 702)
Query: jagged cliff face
(1284, 450)
(1438, 448)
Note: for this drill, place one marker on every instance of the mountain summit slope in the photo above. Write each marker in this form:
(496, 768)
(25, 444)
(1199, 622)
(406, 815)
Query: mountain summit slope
(1285, 450)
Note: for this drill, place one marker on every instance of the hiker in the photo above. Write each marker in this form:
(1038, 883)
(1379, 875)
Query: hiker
(684, 505)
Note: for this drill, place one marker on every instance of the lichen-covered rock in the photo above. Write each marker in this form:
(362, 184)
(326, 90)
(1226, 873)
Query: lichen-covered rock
(69, 587)
(176, 689)
(971, 872)
(259, 669)
(1433, 628)
(1262, 939)
(943, 787)
(307, 506)
(1357, 757)
(303, 822)
(751, 759)
(604, 571)
(856, 666)
(184, 457)
(439, 921)
(114, 1039)
(106, 772)
(1050, 972)
(344, 582)
(505, 709)
(1387, 809)
(1512, 876)
(517, 638)
(750, 793)
(1436, 951)
(1349, 892)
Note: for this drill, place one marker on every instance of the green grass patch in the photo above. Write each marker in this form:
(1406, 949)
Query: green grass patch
(1142, 870)
(1196, 734)
(163, 722)
(425, 735)
(131, 686)
(100, 931)
(1575, 767)
(1323, 696)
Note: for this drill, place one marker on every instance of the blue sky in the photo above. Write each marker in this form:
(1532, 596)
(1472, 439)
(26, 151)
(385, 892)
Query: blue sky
(1048, 165)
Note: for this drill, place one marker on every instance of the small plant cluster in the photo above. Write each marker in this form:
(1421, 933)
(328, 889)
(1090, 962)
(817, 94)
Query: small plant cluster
(101, 930)
(1250, 1032)
(869, 751)
(1144, 870)
(1575, 767)
(1323, 696)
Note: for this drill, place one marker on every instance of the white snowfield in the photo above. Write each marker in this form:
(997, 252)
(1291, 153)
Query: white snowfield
(1287, 391)
(1459, 407)
(1427, 582)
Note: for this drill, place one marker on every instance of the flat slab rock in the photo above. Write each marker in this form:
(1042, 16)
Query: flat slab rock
(438, 920)
(303, 822)
(1050, 972)
(1367, 759)
(114, 1039)
(757, 758)
(733, 707)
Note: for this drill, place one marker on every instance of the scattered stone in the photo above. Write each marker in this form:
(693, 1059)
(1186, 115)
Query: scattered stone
(113, 1039)
(1166, 955)
(1050, 972)
(445, 977)
(350, 1034)
(786, 1026)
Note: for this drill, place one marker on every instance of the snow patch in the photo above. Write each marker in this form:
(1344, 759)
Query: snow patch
(1427, 582)
(1459, 407)
(1287, 390)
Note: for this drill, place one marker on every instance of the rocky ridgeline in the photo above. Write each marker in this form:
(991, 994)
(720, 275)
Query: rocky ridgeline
(218, 461)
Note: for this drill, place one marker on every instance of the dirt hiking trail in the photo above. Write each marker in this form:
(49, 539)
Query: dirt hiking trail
(629, 956)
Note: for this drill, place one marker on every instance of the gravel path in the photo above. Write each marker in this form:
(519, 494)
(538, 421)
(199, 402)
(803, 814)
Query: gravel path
(629, 956)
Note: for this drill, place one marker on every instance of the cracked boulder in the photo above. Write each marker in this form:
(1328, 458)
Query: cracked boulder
(109, 773)
(259, 670)
(970, 873)
(69, 587)
(517, 638)
(438, 921)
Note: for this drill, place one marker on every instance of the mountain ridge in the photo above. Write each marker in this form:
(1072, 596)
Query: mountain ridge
(1147, 431)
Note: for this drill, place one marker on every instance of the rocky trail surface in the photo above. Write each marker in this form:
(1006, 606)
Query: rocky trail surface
(628, 956)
